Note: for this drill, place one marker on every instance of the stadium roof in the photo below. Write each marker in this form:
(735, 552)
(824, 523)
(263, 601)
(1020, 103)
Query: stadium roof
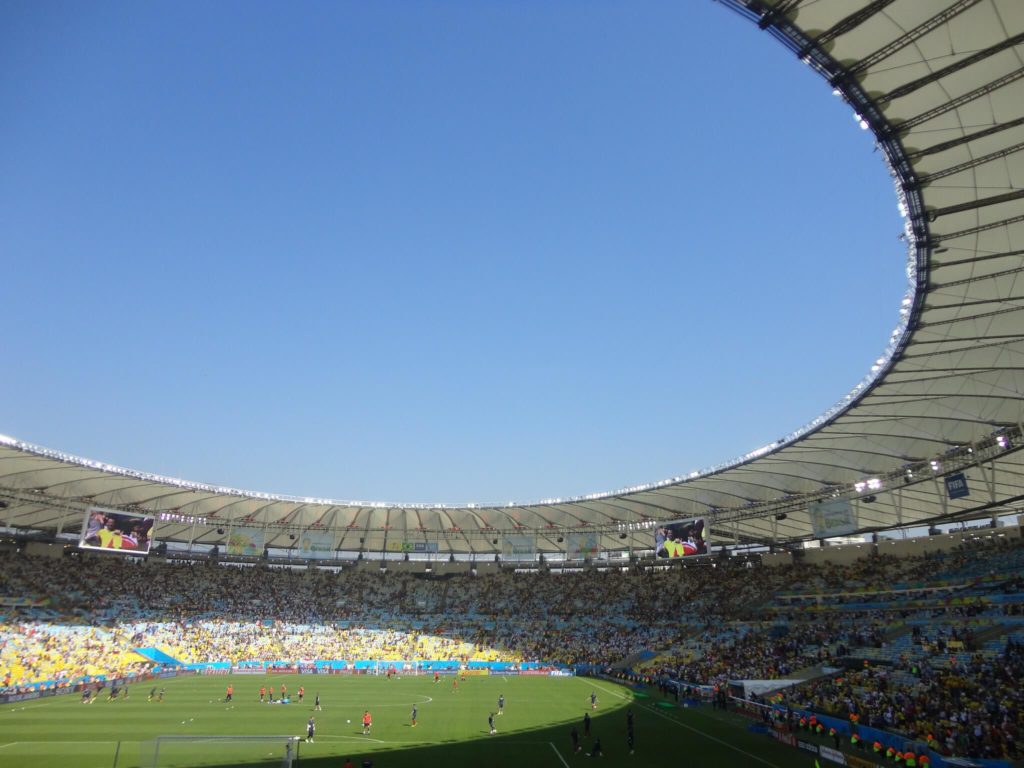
(941, 86)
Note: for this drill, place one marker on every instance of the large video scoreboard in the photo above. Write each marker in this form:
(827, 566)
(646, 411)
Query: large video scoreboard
(114, 531)
(681, 538)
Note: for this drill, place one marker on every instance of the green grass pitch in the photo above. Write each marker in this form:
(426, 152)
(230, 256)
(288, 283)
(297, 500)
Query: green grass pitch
(534, 731)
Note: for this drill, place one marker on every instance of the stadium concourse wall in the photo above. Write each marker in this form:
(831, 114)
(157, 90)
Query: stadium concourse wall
(49, 688)
(325, 667)
(377, 666)
(781, 724)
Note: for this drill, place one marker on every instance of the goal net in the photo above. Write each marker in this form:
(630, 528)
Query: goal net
(221, 751)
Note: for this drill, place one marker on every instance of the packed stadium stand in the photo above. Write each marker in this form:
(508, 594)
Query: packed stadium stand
(833, 600)
(927, 646)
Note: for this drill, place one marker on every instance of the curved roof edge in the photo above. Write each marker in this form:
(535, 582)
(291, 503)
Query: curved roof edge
(941, 85)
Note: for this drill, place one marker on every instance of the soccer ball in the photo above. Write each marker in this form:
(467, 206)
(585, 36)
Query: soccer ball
(348, 721)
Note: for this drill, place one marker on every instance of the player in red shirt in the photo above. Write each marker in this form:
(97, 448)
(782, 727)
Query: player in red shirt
(367, 723)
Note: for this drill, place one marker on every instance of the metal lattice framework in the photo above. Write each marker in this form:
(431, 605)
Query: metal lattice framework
(941, 86)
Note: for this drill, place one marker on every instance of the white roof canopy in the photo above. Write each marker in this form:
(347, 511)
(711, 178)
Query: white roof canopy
(941, 85)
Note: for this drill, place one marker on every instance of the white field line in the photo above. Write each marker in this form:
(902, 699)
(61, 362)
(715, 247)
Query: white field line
(30, 706)
(372, 705)
(559, 754)
(652, 709)
(618, 694)
(367, 738)
(53, 742)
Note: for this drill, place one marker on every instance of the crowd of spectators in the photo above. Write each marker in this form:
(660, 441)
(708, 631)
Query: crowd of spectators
(198, 612)
(897, 643)
(924, 647)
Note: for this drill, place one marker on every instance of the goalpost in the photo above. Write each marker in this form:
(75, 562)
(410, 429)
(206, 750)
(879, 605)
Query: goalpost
(187, 751)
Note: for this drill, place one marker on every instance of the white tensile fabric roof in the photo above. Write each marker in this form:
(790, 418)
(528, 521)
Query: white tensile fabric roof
(941, 85)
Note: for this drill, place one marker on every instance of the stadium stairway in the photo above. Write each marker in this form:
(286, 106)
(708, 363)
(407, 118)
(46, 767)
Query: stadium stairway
(812, 673)
(991, 642)
(635, 660)
(896, 632)
(158, 656)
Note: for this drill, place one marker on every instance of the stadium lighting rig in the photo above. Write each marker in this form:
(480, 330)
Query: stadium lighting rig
(1003, 440)
(175, 517)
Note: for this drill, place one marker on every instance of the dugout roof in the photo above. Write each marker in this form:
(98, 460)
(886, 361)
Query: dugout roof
(941, 85)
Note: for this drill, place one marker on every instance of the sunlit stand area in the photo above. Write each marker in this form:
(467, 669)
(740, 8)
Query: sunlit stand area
(854, 598)
(909, 643)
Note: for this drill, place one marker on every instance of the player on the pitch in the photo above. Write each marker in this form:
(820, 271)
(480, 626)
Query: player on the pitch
(367, 723)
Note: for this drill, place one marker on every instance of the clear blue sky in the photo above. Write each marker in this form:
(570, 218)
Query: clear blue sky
(428, 251)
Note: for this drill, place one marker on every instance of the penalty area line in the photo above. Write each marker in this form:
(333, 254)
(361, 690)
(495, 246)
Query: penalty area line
(31, 706)
(359, 737)
(699, 732)
(552, 745)
(619, 694)
(652, 710)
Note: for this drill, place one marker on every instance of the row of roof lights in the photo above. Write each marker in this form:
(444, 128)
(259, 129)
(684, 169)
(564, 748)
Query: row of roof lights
(1000, 439)
(175, 517)
(871, 484)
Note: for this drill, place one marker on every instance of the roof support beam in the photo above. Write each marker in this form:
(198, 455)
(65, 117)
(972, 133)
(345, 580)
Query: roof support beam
(852, 21)
(1001, 274)
(941, 238)
(938, 74)
(979, 303)
(966, 139)
(960, 262)
(959, 101)
(912, 36)
(776, 13)
(997, 340)
(970, 205)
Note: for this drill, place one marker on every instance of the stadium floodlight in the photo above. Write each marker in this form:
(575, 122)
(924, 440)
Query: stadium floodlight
(871, 484)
